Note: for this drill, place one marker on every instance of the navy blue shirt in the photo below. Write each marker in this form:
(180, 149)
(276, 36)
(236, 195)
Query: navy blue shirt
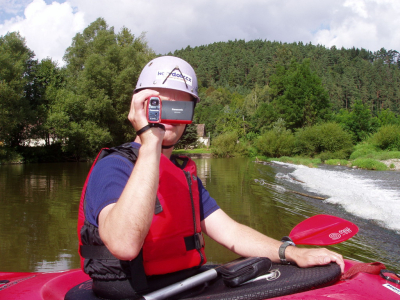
(108, 180)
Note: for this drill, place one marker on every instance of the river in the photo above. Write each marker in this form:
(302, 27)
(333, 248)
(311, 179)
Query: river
(39, 206)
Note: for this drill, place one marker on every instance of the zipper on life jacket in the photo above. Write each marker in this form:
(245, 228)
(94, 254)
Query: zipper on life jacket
(189, 181)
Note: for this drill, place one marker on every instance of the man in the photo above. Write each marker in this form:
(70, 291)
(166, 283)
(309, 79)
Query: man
(150, 211)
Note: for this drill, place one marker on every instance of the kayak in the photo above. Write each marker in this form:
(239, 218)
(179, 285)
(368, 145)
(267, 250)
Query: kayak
(55, 286)
(279, 281)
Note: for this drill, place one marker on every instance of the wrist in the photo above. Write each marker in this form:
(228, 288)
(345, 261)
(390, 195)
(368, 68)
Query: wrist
(150, 148)
(285, 251)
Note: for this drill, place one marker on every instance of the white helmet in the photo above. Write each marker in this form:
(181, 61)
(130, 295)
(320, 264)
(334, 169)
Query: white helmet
(169, 72)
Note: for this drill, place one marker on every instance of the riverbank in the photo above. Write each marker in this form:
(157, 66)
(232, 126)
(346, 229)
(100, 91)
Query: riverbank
(194, 153)
(393, 164)
(359, 163)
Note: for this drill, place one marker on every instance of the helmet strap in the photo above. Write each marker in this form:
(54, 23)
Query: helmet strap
(167, 147)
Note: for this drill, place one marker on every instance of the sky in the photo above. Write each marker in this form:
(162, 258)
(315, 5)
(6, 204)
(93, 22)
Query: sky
(49, 26)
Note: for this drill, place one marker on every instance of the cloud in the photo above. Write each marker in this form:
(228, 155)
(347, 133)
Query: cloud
(171, 25)
(369, 24)
(12, 7)
(48, 29)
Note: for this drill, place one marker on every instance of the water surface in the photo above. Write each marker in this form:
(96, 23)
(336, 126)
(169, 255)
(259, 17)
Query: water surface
(39, 206)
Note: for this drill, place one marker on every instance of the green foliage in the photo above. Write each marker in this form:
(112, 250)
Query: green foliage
(298, 95)
(341, 154)
(258, 96)
(189, 137)
(276, 143)
(227, 145)
(387, 138)
(359, 121)
(102, 69)
(16, 111)
(231, 121)
(245, 87)
(337, 162)
(363, 150)
(369, 164)
(220, 110)
(40, 154)
(298, 160)
(388, 117)
(366, 150)
(327, 137)
(9, 155)
(384, 155)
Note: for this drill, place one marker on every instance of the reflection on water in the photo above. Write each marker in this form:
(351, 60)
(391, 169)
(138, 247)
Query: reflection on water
(38, 215)
(39, 205)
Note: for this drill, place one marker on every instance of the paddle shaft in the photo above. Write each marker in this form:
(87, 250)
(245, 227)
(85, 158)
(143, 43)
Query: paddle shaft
(181, 286)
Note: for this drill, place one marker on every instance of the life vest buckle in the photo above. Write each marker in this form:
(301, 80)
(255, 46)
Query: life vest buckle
(199, 240)
(195, 241)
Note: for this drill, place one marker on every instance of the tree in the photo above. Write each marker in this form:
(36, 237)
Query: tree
(359, 121)
(46, 79)
(189, 137)
(16, 112)
(102, 70)
(298, 95)
(231, 121)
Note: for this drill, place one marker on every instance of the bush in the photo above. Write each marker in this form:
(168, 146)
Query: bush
(9, 155)
(274, 143)
(341, 154)
(387, 138)
(369, 164)
(385, 155)
(327, 137)
(363, 150)
(41, 154)
(227, 145)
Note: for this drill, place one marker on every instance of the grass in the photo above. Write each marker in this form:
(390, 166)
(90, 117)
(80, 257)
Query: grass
(191, 151)
(384, 155)
(365, 150)
(297, 160)
(338, 162)
(365, 157)
(361, 162)
(369, 164)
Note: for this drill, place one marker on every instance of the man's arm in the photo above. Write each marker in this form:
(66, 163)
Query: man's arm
(247, 242)
(124, 225)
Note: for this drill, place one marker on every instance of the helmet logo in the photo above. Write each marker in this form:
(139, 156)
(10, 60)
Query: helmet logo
(174, 75)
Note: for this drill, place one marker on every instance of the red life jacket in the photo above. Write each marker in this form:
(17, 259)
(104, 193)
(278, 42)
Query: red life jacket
(174, 241)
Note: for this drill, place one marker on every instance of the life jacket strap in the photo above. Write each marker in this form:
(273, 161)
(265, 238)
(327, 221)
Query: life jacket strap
(195, 241)
(138, 275)
(95, 252)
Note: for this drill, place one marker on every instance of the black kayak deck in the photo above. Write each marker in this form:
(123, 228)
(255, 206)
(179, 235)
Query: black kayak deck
(286, 280)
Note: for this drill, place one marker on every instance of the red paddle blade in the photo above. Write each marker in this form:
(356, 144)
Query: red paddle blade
(323, 230)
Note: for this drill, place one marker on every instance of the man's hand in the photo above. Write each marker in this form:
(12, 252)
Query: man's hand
(137, 117)
(247, 242)
(308, 257)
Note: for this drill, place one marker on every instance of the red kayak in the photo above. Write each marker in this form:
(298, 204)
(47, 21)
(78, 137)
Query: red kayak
(359, 281)
(55, 285)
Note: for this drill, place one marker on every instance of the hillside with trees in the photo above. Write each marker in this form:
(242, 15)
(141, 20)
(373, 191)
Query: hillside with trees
(275, 98)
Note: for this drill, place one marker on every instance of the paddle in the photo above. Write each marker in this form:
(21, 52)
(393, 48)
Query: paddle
(320, 230)
(323, 230)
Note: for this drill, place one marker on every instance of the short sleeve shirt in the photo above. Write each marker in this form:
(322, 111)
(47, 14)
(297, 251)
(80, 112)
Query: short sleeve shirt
(108, 180)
